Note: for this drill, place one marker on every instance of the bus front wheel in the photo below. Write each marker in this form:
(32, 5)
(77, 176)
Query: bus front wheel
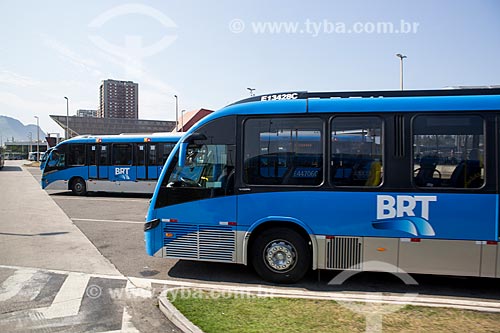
(78, 187)
(281, 255)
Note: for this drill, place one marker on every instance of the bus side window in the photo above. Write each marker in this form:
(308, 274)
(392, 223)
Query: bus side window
(283, 151)
(448, 151)
(103, 155)
(122, 154)
(76, 154)
(356, 153)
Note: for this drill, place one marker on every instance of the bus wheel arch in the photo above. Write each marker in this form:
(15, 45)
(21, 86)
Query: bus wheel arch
(280, 251)
(78, 186)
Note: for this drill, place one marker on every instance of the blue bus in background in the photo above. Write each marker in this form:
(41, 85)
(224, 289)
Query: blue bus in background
(110, 163)
(337, 180)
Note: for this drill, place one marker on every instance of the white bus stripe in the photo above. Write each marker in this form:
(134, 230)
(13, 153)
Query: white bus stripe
(68, 299)
(14, 283)
(107, 221)
(55, 197)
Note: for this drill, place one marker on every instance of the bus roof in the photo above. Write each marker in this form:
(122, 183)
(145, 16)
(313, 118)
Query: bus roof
(150, 137)
(303, 102)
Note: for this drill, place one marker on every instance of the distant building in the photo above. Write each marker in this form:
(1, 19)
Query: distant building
(188, 119)
(86, 113)
(103, 126)
(118, 99)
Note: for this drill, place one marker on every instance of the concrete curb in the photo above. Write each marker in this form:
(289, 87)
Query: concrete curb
(175, 316)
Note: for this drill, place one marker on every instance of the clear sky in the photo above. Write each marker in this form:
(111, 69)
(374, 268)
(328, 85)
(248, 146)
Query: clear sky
(210, 52)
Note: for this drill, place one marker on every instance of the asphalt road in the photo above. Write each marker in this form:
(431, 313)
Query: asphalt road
(114, 224)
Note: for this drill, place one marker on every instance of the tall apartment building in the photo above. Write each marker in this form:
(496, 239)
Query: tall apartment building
(118, 99)
(86, 113)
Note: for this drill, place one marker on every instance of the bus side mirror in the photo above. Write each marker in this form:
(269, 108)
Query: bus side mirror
(184, 144)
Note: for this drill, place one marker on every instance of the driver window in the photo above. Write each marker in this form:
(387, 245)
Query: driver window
(205, 167)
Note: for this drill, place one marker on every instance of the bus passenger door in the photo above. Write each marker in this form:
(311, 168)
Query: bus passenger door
(103, 162)
(141, 149)
(152, 156)
(92, 159)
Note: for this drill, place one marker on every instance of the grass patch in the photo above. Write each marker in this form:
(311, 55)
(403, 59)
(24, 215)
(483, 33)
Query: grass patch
(236, 313)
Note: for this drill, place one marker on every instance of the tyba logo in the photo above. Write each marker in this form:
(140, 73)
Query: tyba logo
(399, 213)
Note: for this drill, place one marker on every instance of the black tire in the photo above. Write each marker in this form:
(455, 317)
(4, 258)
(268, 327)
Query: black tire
(78, 187)
(281, 255)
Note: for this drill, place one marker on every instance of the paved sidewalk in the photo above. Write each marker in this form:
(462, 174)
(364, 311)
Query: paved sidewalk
(35, 232)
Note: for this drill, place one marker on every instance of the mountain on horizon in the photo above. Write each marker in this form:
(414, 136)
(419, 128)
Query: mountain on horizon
(13, 129)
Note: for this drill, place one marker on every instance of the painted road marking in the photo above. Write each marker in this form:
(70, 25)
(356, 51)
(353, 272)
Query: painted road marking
(15, 283)
(68, 299)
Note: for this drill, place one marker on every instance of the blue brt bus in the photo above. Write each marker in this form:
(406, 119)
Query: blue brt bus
(110, 163)
(337, 180)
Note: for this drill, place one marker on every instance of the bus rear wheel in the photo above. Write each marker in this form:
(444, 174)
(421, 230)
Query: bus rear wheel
(78, 186)
(281, 255)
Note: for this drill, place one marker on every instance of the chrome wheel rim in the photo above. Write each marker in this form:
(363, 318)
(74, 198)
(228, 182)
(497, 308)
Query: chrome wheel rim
(280, 256)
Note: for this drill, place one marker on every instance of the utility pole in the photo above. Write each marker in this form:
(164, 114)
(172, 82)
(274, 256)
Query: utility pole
(67, 117)
(176, 113)
(401, 57)
(37, 139)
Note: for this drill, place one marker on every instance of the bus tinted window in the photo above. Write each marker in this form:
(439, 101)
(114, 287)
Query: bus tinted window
(122, 154)
(283, 151)
(356, 151)
(140, 154)
(448, 151)
(167, 149)
(152, 154)
(76, 154)
(103, 156)
(92, 151)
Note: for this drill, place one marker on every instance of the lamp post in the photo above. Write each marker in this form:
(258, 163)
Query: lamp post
(30, 136)
(37, 138)
(176, 113)
(251, 90)
(401, 57)
(67, 117)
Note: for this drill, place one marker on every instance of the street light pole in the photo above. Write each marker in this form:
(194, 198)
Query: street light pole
(67, 117)
(176, 113)
(401, 57)
(37, 139)
(30, 136)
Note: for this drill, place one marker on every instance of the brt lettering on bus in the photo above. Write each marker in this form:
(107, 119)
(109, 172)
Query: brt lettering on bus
(400, 213)
(121, 171)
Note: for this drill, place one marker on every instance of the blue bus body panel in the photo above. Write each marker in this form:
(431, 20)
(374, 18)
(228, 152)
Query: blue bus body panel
(152, 172)
(140, 171)
(215, 211)
(65, 174)
(446, 216)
